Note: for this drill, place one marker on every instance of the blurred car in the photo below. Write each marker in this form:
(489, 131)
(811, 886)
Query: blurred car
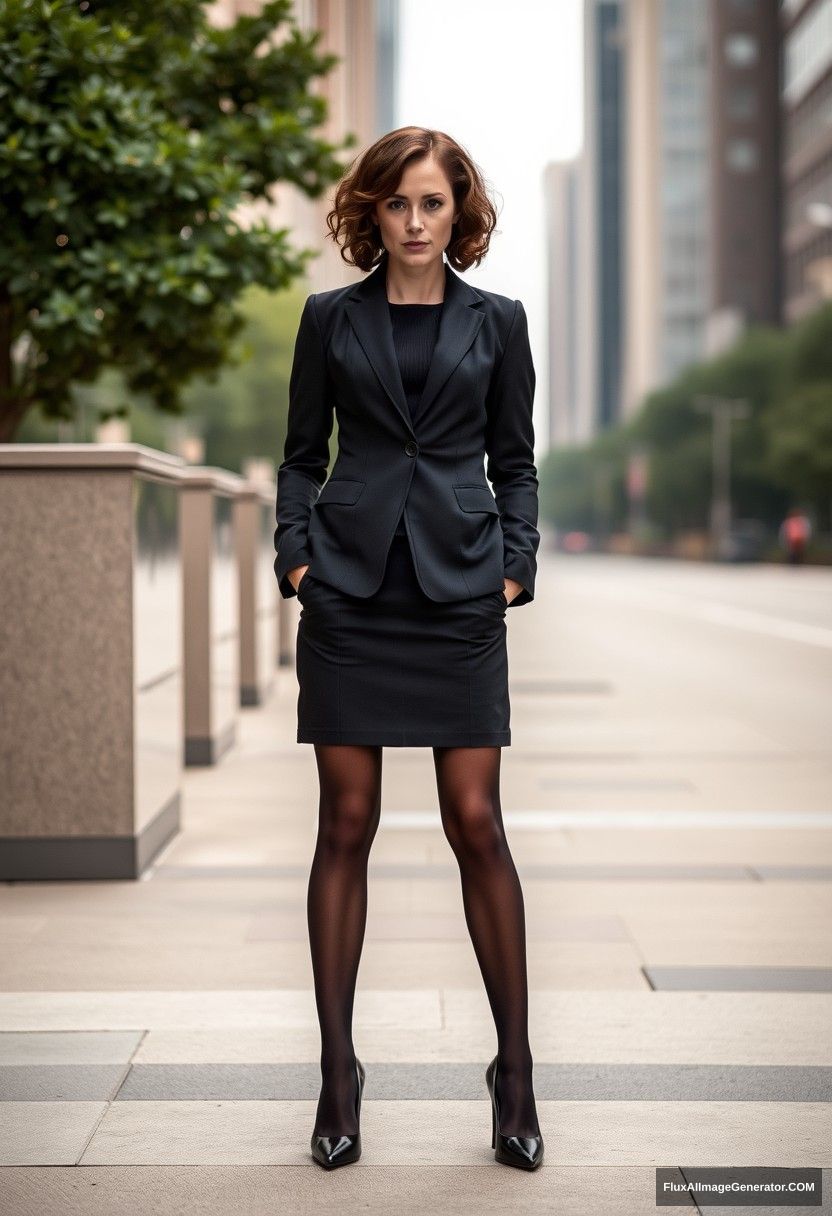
(746, 541)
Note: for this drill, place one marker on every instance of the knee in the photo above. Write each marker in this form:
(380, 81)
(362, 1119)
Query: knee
(349, 824)
(472, 826)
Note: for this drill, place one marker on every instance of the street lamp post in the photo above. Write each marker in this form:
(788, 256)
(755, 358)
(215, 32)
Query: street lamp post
(722, 410)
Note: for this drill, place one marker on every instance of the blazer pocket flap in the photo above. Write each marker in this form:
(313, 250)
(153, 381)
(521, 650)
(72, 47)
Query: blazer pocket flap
(476, 498)
(339, 489)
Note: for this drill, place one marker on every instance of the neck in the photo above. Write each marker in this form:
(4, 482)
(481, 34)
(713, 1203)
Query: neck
(415, 284)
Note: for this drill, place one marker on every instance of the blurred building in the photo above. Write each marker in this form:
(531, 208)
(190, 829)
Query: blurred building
(566, 283)
(584, 206)
(745, 217)
(807, 154)
(604, 83)
(702, 199)
(360, 94)
(667, 287)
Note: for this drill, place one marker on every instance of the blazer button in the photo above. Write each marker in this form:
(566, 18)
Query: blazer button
(411, 448)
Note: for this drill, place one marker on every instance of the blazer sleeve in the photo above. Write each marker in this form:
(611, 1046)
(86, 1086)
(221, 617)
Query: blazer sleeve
(306, 450)
(510, 456)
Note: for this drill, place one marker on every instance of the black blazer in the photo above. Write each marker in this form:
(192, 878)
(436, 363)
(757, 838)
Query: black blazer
(476, 404)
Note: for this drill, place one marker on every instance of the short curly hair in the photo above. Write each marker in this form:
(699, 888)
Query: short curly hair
(375, 175)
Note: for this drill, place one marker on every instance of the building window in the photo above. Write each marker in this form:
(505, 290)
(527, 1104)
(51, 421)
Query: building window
(740, 50)
(741, 155)
(742, 101)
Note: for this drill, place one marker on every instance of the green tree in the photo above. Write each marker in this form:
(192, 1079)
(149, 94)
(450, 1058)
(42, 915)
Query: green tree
(798, 425)
(799, 454)
(243, 412)
(678, 435)
(129, 135)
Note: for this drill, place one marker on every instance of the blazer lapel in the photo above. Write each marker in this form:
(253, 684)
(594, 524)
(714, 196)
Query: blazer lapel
(369, 314)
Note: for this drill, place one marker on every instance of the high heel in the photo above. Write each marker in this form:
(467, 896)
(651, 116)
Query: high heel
(525, 1152)
(332, 1151)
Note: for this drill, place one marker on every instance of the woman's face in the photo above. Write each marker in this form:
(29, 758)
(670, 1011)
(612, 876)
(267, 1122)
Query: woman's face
(421, 210)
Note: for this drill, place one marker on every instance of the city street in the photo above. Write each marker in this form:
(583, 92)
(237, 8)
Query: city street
(668, 799)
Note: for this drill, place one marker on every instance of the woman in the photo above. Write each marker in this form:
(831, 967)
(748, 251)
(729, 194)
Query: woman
(404, 565)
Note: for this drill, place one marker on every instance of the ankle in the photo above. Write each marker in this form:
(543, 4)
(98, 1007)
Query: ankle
(331, 1065)
(515, 1064)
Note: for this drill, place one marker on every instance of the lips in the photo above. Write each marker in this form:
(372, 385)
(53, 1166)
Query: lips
(415, 244)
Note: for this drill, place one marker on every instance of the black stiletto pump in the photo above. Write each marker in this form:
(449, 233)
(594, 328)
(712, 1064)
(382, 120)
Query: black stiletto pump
(332, 1151)
(525, 1152)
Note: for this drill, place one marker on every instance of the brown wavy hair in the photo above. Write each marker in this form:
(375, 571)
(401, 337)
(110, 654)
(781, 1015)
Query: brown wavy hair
(375, 175)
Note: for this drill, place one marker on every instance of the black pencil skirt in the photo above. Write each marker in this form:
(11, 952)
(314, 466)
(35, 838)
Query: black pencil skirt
(398, 669)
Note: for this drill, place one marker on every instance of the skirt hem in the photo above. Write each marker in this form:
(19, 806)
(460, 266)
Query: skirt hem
(374, 738)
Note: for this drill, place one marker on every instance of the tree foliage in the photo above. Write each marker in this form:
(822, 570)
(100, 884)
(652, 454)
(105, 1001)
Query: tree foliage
(130, 136)
(781, 453)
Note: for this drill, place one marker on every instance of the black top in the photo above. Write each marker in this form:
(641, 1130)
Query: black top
(415, 328)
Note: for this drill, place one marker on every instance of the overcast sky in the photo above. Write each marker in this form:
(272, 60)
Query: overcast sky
(505, 80)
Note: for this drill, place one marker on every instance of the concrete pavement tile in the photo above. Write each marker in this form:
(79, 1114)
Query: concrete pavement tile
(742, 979)
(454, 1080)
(650, 1027)
(232, 1044)
(696, 910)
(204, 1009)
(634, 871)
(422, 926)
(73, 1047)
(592, 727)
(168, 965)
(561, 964)
(17, 930)
(190, 931)
(46, 1133)
(60, 1082)
(236, 852)
(754, 848)
(219, 872)
(267, 965)
(411, 1191)
(659, 1133)
(661, 1027)
(287, 1082)
(529, 870)
(795, 873)
(592, 1133)
(811, 954)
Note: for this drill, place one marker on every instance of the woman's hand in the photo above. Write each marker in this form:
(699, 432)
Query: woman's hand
(512, 589)
(300, 571)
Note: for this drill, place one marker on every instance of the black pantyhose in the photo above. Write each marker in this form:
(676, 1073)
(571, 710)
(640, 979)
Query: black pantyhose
(348, 817)
(468, 783)
(349, 813)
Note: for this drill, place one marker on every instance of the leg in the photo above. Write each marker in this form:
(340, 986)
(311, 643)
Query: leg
(468, 783)
(348, 817)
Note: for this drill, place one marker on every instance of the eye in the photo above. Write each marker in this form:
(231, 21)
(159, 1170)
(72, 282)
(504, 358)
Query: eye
(433, 204)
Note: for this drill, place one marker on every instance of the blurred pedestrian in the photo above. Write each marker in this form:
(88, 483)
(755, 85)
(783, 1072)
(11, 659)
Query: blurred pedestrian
(795, 531)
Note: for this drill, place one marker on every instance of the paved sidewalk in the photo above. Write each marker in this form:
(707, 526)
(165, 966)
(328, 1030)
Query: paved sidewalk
(667, 800)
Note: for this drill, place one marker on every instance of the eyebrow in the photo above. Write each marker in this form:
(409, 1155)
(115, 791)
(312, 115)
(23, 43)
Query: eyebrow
(430, 194)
